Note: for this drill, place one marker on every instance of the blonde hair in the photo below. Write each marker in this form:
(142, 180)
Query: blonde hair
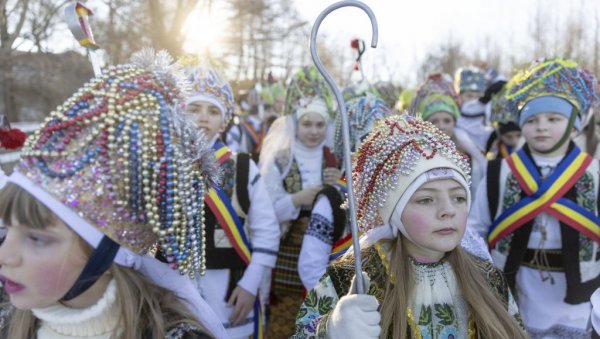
(145, 307)
(487, 309)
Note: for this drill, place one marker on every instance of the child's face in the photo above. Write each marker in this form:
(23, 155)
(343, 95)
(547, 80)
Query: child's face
(311, 129)
(511, 138)
(207, 117)
(469, 96)
(543, 131)
(444, 121)
(39, 266)
(435, 218)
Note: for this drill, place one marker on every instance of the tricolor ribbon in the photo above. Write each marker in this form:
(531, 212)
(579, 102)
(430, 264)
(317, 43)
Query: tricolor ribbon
(546, 196)
(255, 137)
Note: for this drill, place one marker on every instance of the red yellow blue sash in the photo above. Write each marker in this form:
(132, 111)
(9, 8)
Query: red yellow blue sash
(230, 222)
(342, 186)
(255, 137)
(222, 153)
(546, 196)
(340, 247)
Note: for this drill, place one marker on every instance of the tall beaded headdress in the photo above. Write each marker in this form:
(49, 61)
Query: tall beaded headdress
(120, 155)
(434, 95)
(555, 77)
(396, 149)
(208, 84)
(306, 84)
(363, 113)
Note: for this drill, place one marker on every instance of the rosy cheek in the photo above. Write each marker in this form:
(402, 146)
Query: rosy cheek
(56, 278)
(414, 222)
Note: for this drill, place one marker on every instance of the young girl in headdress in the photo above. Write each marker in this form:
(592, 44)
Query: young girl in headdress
(295, 163)
(240, 205)
(437, 102)
(413, 199)
(111, 175)
(327, 236)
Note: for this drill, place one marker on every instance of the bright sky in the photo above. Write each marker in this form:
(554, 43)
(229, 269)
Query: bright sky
(408, 29)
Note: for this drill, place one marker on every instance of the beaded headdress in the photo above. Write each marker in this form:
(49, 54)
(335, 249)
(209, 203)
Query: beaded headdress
(209, 85)
(398, 149)
(120, 155)
(307, 83)
(434, 95)
(555, 77)
(363, 113)
(469, 79)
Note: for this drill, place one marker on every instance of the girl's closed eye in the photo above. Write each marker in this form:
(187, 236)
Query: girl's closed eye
(38, 239)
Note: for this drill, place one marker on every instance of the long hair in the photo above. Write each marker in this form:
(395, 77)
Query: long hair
(489, 310)
(144, 307)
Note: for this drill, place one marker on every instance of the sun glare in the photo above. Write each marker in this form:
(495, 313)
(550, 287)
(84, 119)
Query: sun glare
(203, 30)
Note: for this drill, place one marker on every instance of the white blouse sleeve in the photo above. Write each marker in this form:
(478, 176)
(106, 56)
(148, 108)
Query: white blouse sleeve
(317, 244)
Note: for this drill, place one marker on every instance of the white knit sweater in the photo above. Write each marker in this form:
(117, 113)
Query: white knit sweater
(97, 321)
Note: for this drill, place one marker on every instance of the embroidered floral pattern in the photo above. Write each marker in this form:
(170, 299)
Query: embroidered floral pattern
(512, 195)
(293, 181)
(586, 198)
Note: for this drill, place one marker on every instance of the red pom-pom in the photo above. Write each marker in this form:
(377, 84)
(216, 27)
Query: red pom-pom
(354, 43)
(356, 66)
(12, 138)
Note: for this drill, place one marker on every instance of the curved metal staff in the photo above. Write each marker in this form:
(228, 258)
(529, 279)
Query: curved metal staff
(345, 125)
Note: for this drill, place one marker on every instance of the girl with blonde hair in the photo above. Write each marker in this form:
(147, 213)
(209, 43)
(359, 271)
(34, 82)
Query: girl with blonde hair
(413, 198)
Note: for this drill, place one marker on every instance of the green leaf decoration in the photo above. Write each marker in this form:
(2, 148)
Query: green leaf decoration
(311, 299)
(325, 304)
(444, 313)
(425, 316)
(303, 312)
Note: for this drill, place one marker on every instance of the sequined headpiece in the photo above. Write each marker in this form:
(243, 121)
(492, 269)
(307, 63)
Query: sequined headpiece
(469, 79)
(434, 95)
(399, 149)
(209, 85)
(307, 83)
(555, 77)
(119, 155)
(363, 113)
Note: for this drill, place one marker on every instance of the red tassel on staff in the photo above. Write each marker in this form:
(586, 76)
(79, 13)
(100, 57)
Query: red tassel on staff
(12, 138)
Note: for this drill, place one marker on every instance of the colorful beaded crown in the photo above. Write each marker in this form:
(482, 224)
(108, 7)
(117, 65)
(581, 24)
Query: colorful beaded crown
(208, 81)
(438, 91)
(362, 112)
(120, 154)
(469, 79)
(306, 83)
(391, 152)
(500, 114)
(556, 77)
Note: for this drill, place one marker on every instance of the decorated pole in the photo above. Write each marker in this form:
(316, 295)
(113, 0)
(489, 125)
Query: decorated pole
(77, 18)
(345, 126)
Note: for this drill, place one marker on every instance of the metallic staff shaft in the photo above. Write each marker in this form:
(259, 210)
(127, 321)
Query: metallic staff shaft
(345, 125)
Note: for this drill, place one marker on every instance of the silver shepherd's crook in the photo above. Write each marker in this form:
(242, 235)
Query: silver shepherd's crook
(345, 126)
